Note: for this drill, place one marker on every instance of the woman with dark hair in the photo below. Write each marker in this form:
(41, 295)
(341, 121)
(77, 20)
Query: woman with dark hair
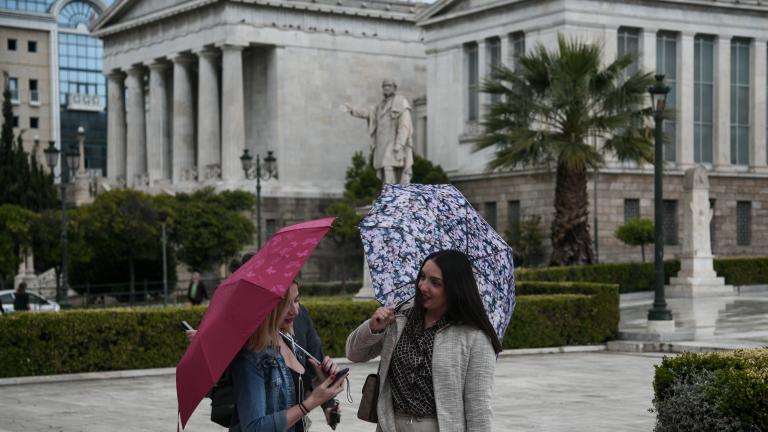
(437, 357)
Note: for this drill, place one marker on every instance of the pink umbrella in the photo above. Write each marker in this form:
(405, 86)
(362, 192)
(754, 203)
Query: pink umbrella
(239, 305)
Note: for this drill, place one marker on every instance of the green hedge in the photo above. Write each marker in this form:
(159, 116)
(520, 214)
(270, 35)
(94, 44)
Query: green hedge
(740, 384)
(633, 277)
(547, 314)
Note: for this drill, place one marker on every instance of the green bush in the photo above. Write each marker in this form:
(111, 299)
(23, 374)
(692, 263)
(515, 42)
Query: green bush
(633, 277)
(547, 314)
(739, 386)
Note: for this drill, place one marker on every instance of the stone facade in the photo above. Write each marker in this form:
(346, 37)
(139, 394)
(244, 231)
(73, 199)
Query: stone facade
(535, 194)
(463, 37)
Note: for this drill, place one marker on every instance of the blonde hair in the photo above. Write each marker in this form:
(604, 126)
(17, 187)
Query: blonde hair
(266, 333)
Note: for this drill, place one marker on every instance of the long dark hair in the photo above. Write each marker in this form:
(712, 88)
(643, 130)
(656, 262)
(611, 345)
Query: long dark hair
(461, 293)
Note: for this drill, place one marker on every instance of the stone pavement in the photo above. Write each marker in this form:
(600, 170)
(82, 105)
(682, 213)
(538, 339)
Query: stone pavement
(599, 391)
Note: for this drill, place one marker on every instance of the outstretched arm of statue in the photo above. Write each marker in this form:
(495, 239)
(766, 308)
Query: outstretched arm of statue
(355, 112)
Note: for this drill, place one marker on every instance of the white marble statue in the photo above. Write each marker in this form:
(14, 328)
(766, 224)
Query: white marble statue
(391, 128)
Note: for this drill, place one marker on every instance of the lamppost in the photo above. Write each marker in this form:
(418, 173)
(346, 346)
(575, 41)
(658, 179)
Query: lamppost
(270, 165)
(71, 162)
(163, 217)
(659, 311)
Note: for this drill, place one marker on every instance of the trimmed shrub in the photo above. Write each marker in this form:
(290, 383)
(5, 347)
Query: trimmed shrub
(633, 277)
(739, 385)
(547, 314)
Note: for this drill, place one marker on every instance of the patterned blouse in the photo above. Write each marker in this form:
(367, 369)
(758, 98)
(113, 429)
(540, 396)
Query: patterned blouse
(411, 368)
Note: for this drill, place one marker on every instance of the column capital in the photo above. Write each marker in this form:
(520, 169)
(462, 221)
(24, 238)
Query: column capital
(208, 52)
(116, 75)
(232, 46)
(687, 34)
(158, 65)
(183, 58)
(136, 70)
(724, 37)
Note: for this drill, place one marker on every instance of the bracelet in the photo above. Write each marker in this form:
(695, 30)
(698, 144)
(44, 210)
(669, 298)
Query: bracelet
(303, 408)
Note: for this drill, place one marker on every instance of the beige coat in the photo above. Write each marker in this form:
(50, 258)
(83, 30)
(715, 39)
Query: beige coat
(463, 363)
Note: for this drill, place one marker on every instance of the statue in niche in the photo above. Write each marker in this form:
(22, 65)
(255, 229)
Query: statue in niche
(391, 128)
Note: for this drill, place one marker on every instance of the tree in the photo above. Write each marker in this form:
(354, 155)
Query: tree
(636, 232)
(15, 238)
(362, 186)
(24, 182)
(425, 172)
(527, 241)
(208, 228)
(123, 225)
(549, 108)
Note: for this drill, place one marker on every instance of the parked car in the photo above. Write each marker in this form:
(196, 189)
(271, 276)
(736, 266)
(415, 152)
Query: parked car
(37, 303)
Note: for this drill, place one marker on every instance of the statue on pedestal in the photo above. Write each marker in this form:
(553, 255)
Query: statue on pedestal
(391, 129)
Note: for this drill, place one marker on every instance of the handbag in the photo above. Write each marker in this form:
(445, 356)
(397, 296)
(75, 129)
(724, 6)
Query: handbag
(369, 400)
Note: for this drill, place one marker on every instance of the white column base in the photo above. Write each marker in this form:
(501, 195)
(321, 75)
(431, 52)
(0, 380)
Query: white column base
(692, 287)
(661, 326)
(366, 291)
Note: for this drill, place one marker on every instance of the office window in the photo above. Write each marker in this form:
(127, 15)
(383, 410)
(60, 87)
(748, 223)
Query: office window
(631, 209)
(26, 5)
(703, 98)
(34, 95)
(271, 228)
(666, 63)
(34, 123)
(15, 121)
(32, 46)
(740, 101)
(670, 222)
(493, 48)
(490, 214)
(629, 43)
(472, 82)
(11, 44)
(517, 41)
(743, 223)
(13, 86)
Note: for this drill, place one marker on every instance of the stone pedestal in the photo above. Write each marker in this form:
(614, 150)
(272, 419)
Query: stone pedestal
(366, 291)
(697, 276)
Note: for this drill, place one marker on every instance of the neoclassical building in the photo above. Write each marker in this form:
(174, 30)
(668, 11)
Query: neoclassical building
(714, 57)
(191, 84)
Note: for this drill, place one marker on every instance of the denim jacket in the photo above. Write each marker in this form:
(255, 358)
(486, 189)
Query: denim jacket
(263, 389)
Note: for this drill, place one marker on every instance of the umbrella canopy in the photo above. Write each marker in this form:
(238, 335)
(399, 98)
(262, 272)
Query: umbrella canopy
(239, 305)
(408, 222)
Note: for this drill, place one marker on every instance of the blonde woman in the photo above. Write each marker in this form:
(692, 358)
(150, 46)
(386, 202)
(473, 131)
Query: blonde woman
(264, 389)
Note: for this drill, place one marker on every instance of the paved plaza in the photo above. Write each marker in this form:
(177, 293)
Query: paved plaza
(587, 388)
(599, 391)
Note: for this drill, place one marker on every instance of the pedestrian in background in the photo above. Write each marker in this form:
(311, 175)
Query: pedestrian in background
(196, 292)
(21, 299)
(437, 357)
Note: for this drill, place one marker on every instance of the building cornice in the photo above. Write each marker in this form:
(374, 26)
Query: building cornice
(377, 9)
(37, 16)
(431, 17)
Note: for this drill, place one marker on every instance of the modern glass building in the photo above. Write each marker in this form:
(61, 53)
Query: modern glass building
(55, 65)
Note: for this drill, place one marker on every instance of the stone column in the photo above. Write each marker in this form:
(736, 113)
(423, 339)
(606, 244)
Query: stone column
(159, 145)
(183, 120)
(506, 50)
(722, 127)
(136, 146)
(757, 151)
(685, 80)
(610, 44)
(208, 115)
(647, 61)
(116, 140)
(233, 112)
(483, 69)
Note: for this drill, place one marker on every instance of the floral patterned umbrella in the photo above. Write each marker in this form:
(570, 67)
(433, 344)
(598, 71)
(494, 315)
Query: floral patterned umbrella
(407, 222)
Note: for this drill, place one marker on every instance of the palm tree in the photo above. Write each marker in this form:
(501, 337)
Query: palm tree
(549, 109)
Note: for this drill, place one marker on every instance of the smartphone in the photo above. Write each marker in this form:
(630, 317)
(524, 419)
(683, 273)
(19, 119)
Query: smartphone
(339, 375)
(187, 326)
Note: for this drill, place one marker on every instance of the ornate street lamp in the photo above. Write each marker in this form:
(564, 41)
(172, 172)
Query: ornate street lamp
(659, 311)
(72, 161)
(270, 166)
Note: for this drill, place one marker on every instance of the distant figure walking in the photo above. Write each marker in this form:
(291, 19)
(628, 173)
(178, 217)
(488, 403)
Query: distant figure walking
(21, 299)
(196, 292)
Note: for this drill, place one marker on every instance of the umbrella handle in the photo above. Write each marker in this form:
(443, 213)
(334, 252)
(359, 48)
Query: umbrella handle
(404, 302)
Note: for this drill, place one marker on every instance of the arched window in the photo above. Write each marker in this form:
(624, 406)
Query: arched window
(77, 13)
